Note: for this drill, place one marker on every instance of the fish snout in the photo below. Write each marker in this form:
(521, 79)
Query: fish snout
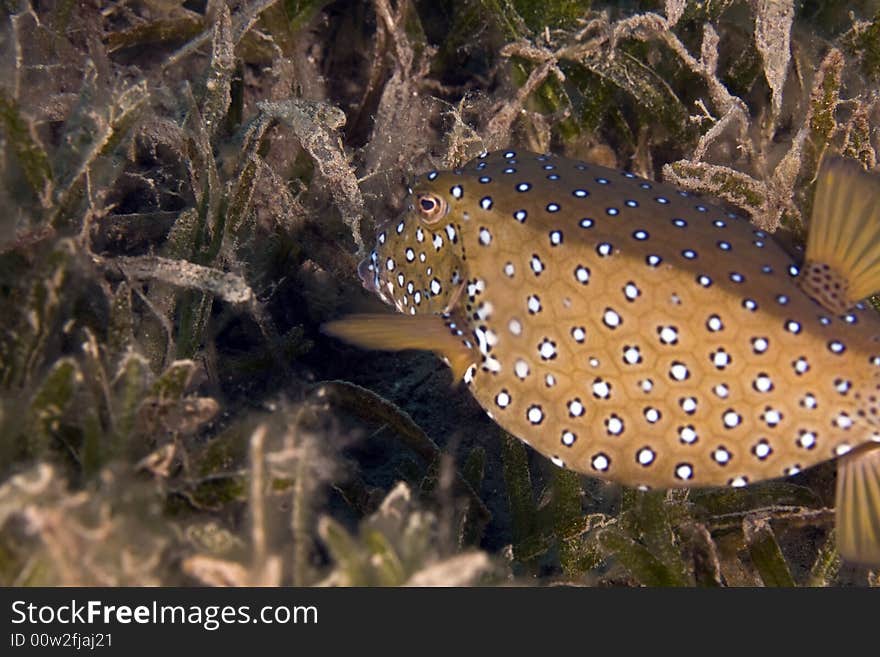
(367, 272)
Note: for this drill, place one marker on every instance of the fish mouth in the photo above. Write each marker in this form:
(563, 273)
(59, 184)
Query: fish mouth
(367, 273)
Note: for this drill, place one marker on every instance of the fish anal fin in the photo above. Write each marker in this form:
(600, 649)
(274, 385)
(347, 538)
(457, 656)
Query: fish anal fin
(858, 505)
(399, 332)
(843, 246)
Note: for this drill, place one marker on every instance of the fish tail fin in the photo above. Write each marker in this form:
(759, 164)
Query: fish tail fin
(858, 505)
(399, 332)
(843, 246)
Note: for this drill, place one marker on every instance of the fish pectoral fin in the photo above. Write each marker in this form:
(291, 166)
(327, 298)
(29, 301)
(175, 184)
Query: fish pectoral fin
(842, 263)
(858, 506)
(399, 332)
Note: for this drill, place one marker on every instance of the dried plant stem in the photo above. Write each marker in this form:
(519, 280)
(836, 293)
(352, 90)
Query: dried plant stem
(257, 497)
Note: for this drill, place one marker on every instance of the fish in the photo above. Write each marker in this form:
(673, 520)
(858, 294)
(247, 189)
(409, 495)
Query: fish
(642, 334)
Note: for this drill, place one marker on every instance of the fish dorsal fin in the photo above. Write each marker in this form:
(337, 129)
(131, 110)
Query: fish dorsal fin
(858, 505)
(842, 263)
(399, 332)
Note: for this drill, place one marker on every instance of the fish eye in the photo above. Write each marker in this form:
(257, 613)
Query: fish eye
(431, 207)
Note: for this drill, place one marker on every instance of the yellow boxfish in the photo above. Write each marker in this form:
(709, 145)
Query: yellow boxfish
(635, 332)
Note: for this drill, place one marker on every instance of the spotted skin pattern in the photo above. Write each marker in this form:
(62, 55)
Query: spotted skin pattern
(630, 330)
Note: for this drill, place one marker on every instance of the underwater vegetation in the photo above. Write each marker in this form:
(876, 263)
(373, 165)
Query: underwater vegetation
(187, 188)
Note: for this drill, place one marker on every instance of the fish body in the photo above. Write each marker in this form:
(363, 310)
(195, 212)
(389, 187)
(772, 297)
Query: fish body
(627, 329)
